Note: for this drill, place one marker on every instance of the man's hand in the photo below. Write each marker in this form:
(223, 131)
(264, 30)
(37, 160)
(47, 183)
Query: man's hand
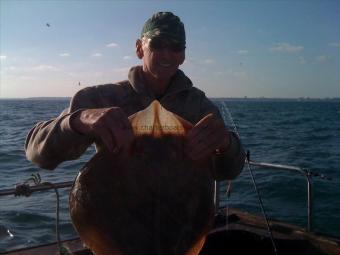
(206, 136)
(110, 125)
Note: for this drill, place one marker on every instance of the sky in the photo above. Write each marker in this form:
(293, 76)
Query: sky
(241, 48)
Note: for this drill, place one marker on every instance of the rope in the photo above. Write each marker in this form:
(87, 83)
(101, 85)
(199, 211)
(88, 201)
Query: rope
(227, 119)
(226, 110)
(24, 189)
(321, 176)
(227, 192)
(261, 203)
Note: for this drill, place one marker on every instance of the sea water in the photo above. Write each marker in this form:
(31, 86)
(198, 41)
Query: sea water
(302, 133)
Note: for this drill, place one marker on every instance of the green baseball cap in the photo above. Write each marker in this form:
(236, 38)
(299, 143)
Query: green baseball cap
(165, 25)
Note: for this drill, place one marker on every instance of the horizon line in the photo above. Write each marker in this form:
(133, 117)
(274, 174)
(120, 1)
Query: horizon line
(238, 97)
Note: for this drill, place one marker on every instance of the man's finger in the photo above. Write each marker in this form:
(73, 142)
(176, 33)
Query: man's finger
(205, 148)
(205, 135)
(200, 126)
(199, 146)
(120, 129)
(123, 138)
(106, 137)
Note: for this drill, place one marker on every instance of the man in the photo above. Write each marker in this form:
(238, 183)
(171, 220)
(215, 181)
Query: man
(100, 114)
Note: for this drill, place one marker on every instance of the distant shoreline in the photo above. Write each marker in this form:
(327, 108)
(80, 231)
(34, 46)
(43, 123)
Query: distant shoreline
(36, 98)
(255, 99)
(279, 99)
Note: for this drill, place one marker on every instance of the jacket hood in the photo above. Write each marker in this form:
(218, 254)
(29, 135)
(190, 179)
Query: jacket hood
(179, 82)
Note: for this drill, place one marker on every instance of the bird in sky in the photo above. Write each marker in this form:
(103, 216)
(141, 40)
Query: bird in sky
(48, 24)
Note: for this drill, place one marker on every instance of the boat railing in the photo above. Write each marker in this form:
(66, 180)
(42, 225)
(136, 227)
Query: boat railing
(25, 189)
(308, 174)
(20, 190)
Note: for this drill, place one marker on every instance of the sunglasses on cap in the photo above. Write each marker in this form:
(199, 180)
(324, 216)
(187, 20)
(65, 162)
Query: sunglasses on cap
(160, 43)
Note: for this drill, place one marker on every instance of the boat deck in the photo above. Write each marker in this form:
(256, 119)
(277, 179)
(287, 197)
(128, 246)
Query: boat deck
(244, 234)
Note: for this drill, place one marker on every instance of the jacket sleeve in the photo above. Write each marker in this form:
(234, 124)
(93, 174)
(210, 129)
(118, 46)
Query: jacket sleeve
(51, 142)
(227, 165)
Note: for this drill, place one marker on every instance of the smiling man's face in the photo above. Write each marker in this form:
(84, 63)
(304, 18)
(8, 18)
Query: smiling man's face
(160, 60)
